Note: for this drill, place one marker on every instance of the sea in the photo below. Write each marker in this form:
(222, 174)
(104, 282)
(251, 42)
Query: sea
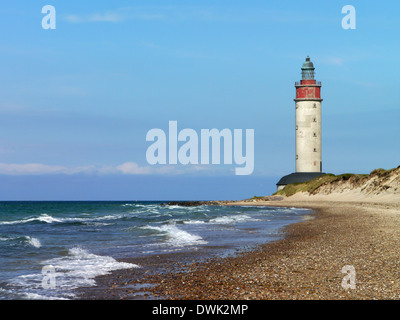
(49, 249)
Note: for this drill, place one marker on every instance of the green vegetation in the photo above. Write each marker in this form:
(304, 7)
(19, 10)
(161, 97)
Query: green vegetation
(258, 198)
(308, 186)
(378, 171)
(382, 172)
(312, 185)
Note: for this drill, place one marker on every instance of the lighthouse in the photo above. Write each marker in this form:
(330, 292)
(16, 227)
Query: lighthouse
(308, 156)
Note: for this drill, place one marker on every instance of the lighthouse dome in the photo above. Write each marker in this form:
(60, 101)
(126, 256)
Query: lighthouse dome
(308, 64)
(307, 70)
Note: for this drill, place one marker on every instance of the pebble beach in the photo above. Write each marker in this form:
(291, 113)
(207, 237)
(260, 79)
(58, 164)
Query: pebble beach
(306, 264)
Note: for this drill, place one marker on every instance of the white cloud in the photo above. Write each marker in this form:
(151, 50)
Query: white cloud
(95, 17)
(107, 17)
(208, 13)
(127, 168)
(169, 13)
(133, 168)
(38, 168)
(336, 61)
(117, 15)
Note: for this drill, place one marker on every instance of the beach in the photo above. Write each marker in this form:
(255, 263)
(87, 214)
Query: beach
(306, 264)
(72, 244)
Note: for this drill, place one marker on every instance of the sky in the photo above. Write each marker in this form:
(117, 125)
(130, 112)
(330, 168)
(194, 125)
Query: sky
(77, 101)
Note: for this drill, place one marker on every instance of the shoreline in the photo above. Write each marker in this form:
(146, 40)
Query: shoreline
(306, 264)
(124, 284)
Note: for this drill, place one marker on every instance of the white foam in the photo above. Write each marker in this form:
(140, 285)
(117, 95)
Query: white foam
(174, 207)
(178, 237)
(252, 207)
(17, 221)
(43, 218)
(80, 267)
(49, 219)
(231, 219)
(128, 205)
(36, 296)
(77, 269)
(194, 222)
(138, 205)
(33, 242)
(109, 217)
(300, 209)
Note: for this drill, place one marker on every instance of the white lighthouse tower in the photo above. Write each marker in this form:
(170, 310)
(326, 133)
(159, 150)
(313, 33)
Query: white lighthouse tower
(308, 128)
(308, 121)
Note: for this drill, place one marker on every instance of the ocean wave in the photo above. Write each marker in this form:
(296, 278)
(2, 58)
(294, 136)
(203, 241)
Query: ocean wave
(232, 219)
(257, 207)
(77, 269)
(42, 218)
(194, 221)
(34, 242)
(22, 240)
(136, 206)
(177, 237)
(171, 207)
(187, 208)
(300, 209)
(36, 296)
(128, 205)
(80, 267)
(91, 219)
(222, 220)
(49, 219)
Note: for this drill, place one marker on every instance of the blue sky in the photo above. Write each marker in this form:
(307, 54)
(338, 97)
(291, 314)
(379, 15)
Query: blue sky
(76, 102)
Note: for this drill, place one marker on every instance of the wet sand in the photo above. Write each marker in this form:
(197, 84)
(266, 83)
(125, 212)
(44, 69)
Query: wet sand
(306, 264)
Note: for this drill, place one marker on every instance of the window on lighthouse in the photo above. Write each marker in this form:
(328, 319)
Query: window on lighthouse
(315, 149)
(315, 134)
(315, 120)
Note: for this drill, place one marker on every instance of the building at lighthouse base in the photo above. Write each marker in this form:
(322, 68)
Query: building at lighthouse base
(297, 177)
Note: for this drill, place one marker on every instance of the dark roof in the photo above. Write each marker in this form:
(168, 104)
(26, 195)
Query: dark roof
(298, 177)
